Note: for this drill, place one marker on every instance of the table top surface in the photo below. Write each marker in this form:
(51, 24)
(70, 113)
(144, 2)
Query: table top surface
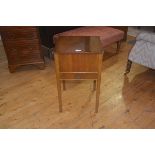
(78, 44)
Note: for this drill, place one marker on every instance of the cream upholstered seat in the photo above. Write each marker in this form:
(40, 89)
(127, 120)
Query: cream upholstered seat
(143, 52)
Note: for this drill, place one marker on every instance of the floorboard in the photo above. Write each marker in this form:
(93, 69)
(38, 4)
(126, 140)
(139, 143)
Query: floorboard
(28, 97)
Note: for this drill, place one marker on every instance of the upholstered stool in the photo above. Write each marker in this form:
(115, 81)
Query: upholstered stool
(107, 35)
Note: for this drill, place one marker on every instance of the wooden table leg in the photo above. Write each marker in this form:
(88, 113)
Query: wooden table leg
(94, 85)
(58, 81)
(59, 95)
(97, 94)
(64, 84)
(98, 82)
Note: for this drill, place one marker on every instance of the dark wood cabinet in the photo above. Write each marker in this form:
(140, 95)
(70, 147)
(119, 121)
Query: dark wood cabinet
(22, 46)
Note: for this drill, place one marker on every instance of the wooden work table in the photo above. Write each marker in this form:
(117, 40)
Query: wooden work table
(78, 58)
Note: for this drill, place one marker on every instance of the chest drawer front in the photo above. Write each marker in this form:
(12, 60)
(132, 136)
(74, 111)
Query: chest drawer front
(12, 55)
(20, 35)
(25, 51)
(31, 43)
(29, 57)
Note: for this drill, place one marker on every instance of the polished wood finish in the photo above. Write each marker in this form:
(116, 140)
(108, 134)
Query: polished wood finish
(57, 68)
(98, 82)
(22, 46)
(29, 99)
(94, 85)
(78, 58)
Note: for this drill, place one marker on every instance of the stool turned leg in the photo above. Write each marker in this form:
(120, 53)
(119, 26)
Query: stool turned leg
(118, 46)
(94, 85)
(64, 84)
(128, 67)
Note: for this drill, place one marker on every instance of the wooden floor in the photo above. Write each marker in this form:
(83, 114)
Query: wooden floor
(28, 98)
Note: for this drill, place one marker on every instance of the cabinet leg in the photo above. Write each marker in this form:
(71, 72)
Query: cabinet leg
(12, 68)
(97, 94)
(59, 95)
(64, 84)
(128, 67)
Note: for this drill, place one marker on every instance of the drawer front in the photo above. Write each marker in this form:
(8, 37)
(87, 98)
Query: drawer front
(30, 56)
(26, 51)
(12, 55)
(78, 62)
(20, 35)
(31, 43)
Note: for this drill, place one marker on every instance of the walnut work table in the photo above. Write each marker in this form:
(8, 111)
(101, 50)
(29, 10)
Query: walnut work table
(78, 58)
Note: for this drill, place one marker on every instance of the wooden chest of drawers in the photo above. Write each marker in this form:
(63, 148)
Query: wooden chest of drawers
(22, 46)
